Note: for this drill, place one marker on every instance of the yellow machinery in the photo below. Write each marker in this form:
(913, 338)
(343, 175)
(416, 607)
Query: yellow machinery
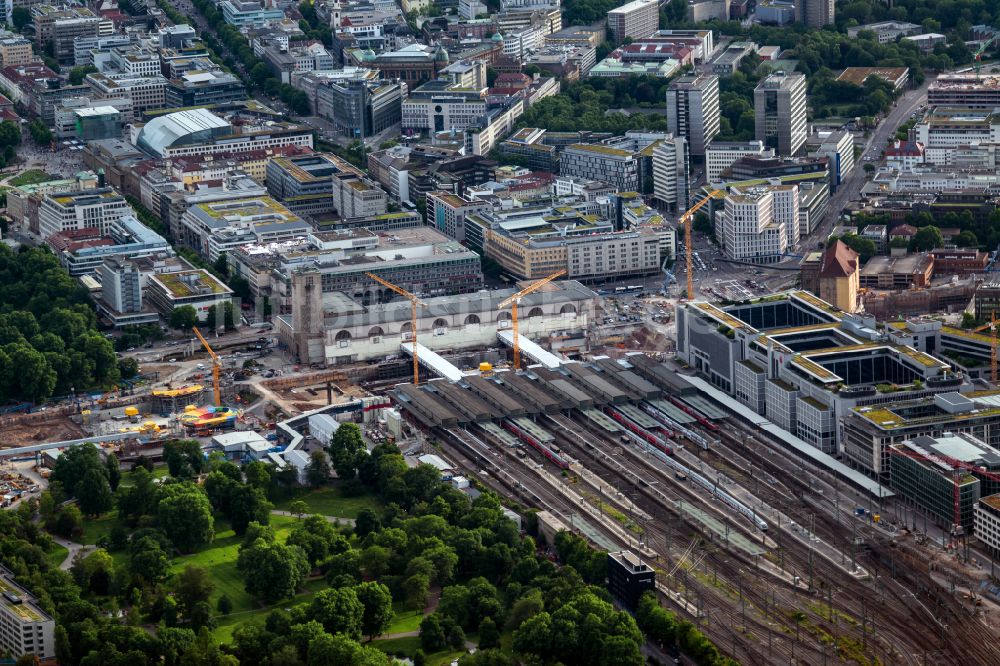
(992, 325)
(687, 219)
(216, 364)
(513, 302)
(414, 304)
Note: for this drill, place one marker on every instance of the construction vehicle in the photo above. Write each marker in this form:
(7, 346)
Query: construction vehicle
(687, 219)
(414, 304)
(992, 325)
(515, 300)
(216, 364)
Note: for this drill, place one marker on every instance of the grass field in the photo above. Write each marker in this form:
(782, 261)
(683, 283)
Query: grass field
(409, 645)
(30, 177)
(219, 558)
(332, 502)
(95, 528)
(56, 555)
(405, 620)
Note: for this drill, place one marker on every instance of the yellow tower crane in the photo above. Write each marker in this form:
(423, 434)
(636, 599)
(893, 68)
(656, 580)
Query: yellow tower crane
(687, 219)
(513, 302)
(216, 364)
(992, 325)
(414, 304)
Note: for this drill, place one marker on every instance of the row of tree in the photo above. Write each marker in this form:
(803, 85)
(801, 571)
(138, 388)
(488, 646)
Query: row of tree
(49, 344)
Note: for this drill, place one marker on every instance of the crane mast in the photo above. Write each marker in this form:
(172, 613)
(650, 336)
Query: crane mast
(514, 300)
(216, 363)
(414, 304)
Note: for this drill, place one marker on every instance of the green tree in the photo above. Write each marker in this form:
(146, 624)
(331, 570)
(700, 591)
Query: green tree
(147, 561)
(94, 493)
(377, 603)
(113, 470)
(346, 448)
(489, 635)
(20, 17)
(339, 611)
(272, 571)
(246, 505)
(224, 605)
(318, 469)
(863, 246)
(192, 586)
(432, 636)
(966, 239)
(926, 239)
(184, 317)
(298, 508)
(366, 522)
(78, 74)
(229, 317)
(41, 134)
(74, 463)
(186, 515)
(184, 458)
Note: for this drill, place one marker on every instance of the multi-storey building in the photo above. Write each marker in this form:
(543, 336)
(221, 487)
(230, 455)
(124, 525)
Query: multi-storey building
(636, 19)
(411, 64)
(68, 211)
(131, 59)
(355, 194)
(599, 162)
(965, 90)
(198, 288)
(838, 147)
(447, 212)
(693, 110)
(440, 106)
(203, 88)
(814, 13)
(250, 13)
(304, 183)
(720, 155)
(82, 251)
(121, 285)
(200, 132)
(214, 228)
(672, 174)
(298, 57)
(25, 629)
(759, 224)
(886, 31)
(780, 112)
(986, 521)
(146, 92)
(62, 25)
(86, 48)
(359, 108)
(14, 49)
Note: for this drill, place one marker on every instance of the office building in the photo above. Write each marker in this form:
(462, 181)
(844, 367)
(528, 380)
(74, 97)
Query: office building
(61, 26)
(359, 108)
(297, 57)
(203, 88)
(213, 228)
(24, 627)
(838, 147)
(250, 13)
(14, 49)
(636, 19)
(886, 32)
(693, 110)
(357, 195)
(780, 112)
(965, 90)
(629, 578)
(69, 211)
(926, 470)
(759, 224)
(672, 174)
(986, 522)
(146, 92)
(197, 287)
(707, 10)
(303, 183)
(447, 212)
(121, 285)
(732, 57)
(66, 116)
(412, 64)
(82, 251)
(814, 13)
(614, 166)
(86, 48)
(720, 155)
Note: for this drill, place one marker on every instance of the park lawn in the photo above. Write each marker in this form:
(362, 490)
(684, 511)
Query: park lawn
(30, 177)
(223, 632)
(405, 620)
(96, 528)
(408, 647)
(56, 555)
(159, 472)
(219, 558)
(332, 502)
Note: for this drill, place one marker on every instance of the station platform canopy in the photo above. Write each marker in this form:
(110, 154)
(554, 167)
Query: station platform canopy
(531, 350)
(434, 362)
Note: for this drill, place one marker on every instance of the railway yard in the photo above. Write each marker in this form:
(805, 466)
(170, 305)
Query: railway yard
(764, 550)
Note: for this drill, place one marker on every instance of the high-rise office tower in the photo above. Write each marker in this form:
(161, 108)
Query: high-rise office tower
(780, 112)
(693, 110)
(814, 13)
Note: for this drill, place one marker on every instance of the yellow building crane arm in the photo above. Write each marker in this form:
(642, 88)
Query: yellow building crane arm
(513, 302)
(216, 364)
(687, 219)
(414, 304)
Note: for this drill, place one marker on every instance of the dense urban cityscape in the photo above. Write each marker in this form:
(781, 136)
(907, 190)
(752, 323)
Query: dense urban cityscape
(499, 332)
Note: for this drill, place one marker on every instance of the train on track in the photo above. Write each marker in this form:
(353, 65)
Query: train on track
(638, 430)
(551, 454)
(698, 416)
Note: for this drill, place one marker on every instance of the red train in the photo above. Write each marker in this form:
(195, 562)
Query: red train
(541, 447)
(698, 416)
(634, 427)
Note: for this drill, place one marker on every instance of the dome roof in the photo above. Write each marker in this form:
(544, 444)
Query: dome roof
(368, 55)
(497, 37)
(440, 55)
(183, 127)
